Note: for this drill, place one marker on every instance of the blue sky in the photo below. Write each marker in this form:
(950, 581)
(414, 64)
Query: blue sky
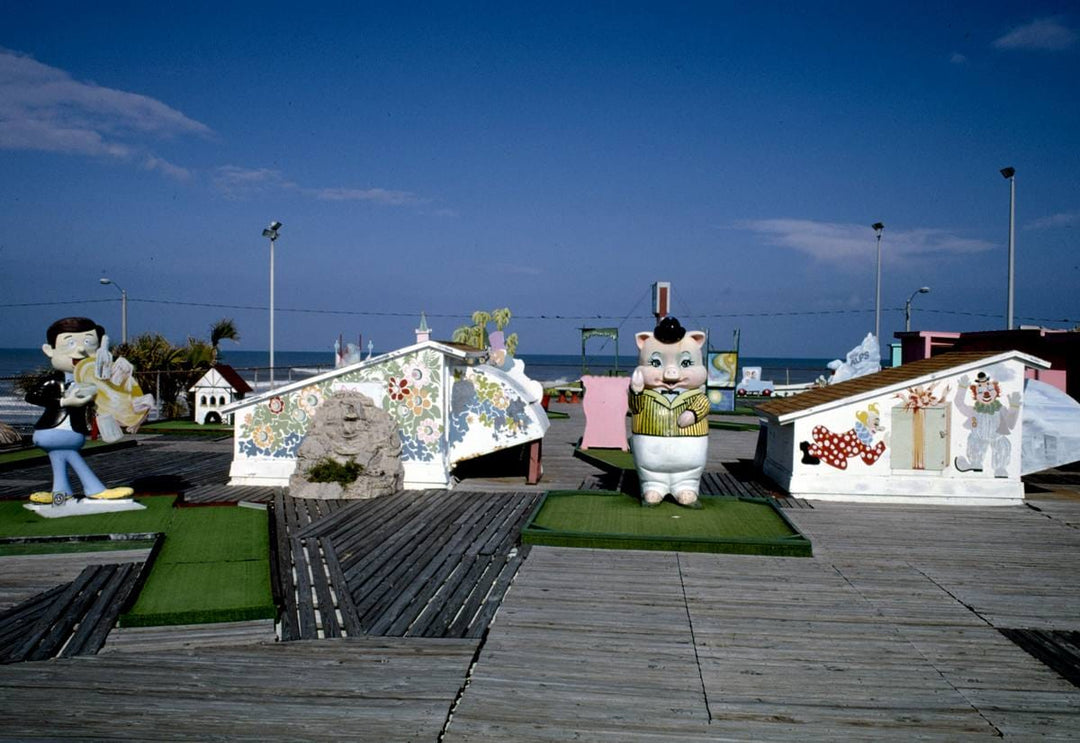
(555, 158)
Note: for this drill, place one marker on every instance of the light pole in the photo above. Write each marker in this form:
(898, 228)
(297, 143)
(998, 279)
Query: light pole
(907, 305)
(272, 233)
(878, 227)
(123, 308)
(1010, 175)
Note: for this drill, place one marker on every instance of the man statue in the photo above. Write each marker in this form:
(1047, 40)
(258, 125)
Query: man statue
(62, 429)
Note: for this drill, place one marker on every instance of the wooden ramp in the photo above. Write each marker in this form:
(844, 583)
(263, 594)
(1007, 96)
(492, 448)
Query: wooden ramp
(414, 564)
(69, 619)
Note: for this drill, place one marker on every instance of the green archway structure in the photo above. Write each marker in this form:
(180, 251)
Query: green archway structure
(587, 333)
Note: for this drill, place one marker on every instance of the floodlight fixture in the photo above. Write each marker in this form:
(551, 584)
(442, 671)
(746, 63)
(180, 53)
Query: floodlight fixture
(271, 232)
(878, 227)
(123, 307)
(907, 305)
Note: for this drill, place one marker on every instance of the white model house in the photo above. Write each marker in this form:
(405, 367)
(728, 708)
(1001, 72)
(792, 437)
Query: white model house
(220, 386)
(946, 429)
(449, 405)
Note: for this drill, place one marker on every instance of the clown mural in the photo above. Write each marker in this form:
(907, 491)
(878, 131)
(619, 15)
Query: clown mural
(85, 381)
(669, 414)
(990, 422)
(835, 449)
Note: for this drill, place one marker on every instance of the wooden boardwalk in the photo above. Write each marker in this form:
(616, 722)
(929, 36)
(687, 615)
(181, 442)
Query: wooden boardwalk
(354, 689)
(898, 628)
(890, 632)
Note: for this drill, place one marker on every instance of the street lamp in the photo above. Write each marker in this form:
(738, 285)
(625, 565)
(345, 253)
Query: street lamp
(907, 305)
(1010, 175)
(123, 308)
(272, 233)
(878, 227)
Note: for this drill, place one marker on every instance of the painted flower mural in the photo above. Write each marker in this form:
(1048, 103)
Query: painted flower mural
(413, 388)
(477, 400)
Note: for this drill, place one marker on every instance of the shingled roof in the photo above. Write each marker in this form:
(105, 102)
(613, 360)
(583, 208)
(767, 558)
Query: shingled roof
(897, 376)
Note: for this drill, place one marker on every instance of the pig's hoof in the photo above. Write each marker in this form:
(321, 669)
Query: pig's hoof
(687, 498)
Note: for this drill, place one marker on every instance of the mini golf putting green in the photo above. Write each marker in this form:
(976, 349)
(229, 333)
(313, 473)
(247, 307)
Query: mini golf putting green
(213, 564)
(609, 520)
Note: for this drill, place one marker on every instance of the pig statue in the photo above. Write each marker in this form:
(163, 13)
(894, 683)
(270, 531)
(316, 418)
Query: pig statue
(669, 414)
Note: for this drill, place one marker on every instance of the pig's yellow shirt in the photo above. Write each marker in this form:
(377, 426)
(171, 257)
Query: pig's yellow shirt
(653, 414)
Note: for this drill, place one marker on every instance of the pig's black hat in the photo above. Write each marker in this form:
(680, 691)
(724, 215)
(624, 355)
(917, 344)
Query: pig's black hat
(669, 330)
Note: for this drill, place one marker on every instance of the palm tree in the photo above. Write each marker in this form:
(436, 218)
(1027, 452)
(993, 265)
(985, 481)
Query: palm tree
(480, 320)
(501, 317)
(223, 330)
(467, 334)
(160, 368)
(476, 334)
(198, 354)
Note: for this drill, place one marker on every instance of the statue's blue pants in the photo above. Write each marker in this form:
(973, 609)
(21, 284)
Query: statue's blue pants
(63, 449)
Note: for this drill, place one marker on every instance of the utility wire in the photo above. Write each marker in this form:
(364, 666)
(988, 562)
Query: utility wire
(622, 319)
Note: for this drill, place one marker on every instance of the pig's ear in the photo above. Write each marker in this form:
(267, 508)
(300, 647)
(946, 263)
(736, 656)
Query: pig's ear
(697, 336)
(641, 338)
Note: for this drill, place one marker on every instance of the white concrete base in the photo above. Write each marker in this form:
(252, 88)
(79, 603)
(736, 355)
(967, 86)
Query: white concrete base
(276, 473)
(918, 488)
(910, 500)
(83, 507)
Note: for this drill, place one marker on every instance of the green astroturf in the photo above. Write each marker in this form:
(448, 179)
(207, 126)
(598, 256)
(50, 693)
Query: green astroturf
(213, 567)
(16, 521)
(200, 593)
(609, 460)
(619, 521)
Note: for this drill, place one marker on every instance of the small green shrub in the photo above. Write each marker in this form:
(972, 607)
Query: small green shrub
(330, 470)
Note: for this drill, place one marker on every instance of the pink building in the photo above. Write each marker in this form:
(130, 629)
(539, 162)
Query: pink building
(1060, 347)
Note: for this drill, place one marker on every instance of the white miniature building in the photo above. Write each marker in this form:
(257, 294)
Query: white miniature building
(449, 406)
(947, 429)
(220, 386)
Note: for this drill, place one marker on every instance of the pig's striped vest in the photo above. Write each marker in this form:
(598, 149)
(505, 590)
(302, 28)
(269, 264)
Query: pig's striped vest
(652, 414)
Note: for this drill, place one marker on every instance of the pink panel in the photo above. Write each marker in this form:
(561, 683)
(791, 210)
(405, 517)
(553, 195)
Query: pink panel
(1053, 377)
(605, 407)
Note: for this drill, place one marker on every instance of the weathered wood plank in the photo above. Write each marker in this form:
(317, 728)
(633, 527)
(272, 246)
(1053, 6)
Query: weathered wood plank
(95, 624)
(347, 689)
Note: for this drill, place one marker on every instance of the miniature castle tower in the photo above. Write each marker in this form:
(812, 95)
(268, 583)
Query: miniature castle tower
(423, 333)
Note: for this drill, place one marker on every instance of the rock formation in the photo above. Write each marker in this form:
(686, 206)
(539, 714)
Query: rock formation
(352, 450)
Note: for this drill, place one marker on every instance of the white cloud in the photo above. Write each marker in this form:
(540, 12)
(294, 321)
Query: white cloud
(1064, 219)
(377, 195)
(958, 58)
(841, 243)
(237, 182)
(1046, 34)
(153, 163)
(43, 108)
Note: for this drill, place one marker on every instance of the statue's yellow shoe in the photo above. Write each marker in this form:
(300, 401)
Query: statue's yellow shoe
(112, 494)
(46, 498)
